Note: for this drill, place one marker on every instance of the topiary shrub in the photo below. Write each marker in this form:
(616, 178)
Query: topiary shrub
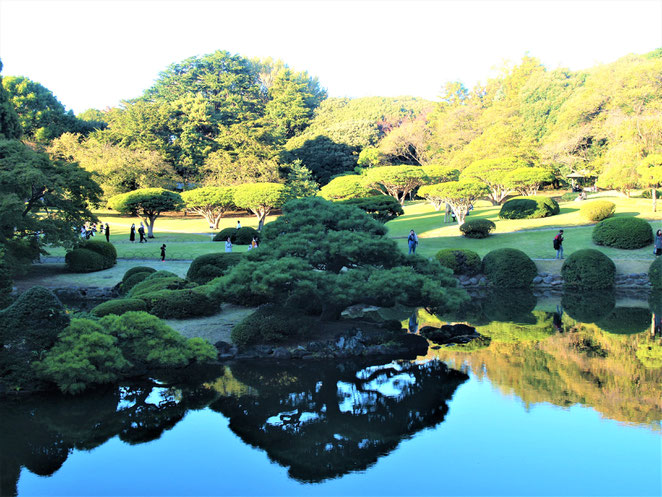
(137, 269)
(509, 268)
(626, 320)
(588, 269)
(223, 235)
(588, 307)
(460, 261)
(529, 208)
(119, 307)
(382, 208)
(131, 281)
(84, 261)
(269, 324)
(477, 228)
(179, 304)
(623, 233)
(156, 284)
(655, 274)
(209, 266)
(104, 249)
(245, 235)
(597, 210)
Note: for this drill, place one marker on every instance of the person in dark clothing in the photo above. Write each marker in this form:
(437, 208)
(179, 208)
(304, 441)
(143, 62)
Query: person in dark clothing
(558, 245)
(412, 240)
(107, 233)
(163, 250)
(132, 233)
(141, 232)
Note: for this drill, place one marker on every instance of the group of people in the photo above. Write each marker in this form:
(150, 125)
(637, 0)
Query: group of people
(88, 231)
(254, 244)
(141, 232)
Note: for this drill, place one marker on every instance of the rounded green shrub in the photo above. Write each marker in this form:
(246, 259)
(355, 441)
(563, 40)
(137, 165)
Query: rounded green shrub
(382, 208)
(179, 304)
(245, 235)
(588, 307)
(509, 268)
(209, 266)
(137, 269)
(460, 261)
(626, 320)
(162, 274)
(588, 269)
(104, 249)
(118, 306)
(131, 281)
(529, 208)
(623, 233)
(597, 210)
(223, 235)
(82, 260)
(477, 228)
(269, 324)
(156, 284)
(655, 274)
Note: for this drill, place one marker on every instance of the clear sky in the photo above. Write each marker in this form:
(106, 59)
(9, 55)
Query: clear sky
(95, 53)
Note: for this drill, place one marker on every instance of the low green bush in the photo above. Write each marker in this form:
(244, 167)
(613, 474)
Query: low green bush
(588, 269)
(623, 233)
(105, 249)
(626, 320)
(588, 307)
(597, 210)
(131, 281)
(154, 285)
(509, 268)
(529, 208)
(270, 324)
(162, 274)
(460, 261)
(82, 260)
(655, 273)
(179, 304)
(137, 269)
(119, 307)
(245, 235)
(383, 208)
(209, 266)
(477, 228)
(223, 235)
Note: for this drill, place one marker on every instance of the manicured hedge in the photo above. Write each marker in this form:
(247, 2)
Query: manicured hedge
(223, 235)
(154, 285)
(133, 280)
(588, 307)
(269, 324)
(241, 236)
(460, 261)
(597, 210)
(179, 304)
(509, 268)
(137, 269)
(91, 255)
(209, 266)
(655, 273)
(529, 208)
(383, 208)
(623, 233)
(477, 228)
(626, 320)
(119, 307)
(588, 269)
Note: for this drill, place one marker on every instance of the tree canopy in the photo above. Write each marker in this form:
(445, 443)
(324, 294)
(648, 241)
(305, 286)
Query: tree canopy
(210, 202)
(148, 203)
(259, 198)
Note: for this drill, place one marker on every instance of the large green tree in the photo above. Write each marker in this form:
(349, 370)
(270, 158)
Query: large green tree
(259, 198)
(396, 181)
(493, 173)
(210, 202)
(460, 195)
(148, 203)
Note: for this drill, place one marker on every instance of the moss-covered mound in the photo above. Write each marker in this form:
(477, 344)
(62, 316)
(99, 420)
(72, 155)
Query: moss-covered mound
(209, 266)
(119, 307)
(529, 208)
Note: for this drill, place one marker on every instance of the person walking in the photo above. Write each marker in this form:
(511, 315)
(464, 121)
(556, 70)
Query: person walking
(132, 233)
(228, 245)
(558, 245)
(141, 232)
(107, 233)
(412, 240)
(238, 225)
(658, 243)
(163, 250)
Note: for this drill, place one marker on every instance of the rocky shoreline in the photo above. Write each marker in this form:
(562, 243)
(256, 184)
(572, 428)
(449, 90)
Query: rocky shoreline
(550, 280)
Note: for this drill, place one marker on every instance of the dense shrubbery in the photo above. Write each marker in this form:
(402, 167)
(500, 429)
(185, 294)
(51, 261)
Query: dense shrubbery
(597, 210)
(588, 307)
(151, 285)
(91, 255)
(588, 269)
(477, 228)
(460, 261)
(382, 208)
(119, 307)
(270, 323)
(209, 266)
(655, 273)
(223, 235)
(127, 284)
(116, 346)
(137, 269)
(529, 208)
(241, 236)
(626, 320)
(623, 233)
(509, 268)
(179, 304)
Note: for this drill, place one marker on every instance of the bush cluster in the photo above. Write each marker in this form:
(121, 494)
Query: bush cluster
(623, 233)
(138, 269)
(127, 284)
(269, 324)
(119, 307)
(241, 236)
(477, 228)
(161, 280)
(382, 208)
(529, 208)
(509, 268)
(91, 255)
(588, 269)
(597, 210)
(179, 304)
(460, 261)
(209, 266)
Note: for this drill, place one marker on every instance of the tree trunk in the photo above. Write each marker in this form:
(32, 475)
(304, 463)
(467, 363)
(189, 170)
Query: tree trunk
(654, 196)
(150, 225)
(261, 216)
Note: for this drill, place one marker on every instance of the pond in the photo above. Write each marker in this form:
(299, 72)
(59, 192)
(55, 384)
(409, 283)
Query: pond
(561, 396)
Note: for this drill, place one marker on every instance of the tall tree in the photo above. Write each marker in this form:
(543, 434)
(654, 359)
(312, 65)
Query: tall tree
(148, 203)
(396, 181)
(259, 198)
(10, 127)
(493, 173)
(210, 202)
(460, 195)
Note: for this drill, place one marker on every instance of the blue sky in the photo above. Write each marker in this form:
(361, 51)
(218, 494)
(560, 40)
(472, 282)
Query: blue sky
(95, 53)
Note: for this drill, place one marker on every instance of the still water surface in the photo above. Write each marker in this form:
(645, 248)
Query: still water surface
(545, 405)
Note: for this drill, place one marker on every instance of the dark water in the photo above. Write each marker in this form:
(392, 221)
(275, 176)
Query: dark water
(545, 404)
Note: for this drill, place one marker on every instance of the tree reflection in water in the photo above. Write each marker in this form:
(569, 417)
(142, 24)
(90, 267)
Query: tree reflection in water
(340, 419)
